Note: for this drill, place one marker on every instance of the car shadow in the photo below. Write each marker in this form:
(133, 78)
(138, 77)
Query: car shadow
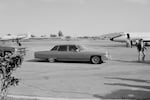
(45, 61)
(36, 60)
(137, 92)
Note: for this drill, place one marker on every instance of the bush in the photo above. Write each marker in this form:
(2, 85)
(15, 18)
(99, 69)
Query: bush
(8, 64)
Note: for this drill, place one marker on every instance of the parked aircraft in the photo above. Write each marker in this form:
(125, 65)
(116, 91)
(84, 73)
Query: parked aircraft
(13, 37)
(111, 35)
(130, 38)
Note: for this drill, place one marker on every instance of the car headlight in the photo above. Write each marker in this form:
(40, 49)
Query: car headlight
(16, 49)
(107, 54)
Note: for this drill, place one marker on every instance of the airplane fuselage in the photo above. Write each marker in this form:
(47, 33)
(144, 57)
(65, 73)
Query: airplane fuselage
(132, 37)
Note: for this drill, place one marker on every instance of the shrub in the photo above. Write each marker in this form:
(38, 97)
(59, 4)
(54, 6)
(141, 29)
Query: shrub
(8, 64)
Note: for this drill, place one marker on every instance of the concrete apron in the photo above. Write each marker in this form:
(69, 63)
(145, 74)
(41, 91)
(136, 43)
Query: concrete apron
(45, 98)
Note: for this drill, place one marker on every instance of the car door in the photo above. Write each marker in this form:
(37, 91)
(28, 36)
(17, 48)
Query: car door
(62, 53)
(75, 55)
(53, 53)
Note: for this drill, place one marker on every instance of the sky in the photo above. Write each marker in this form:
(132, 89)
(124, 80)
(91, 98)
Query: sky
(74, 17)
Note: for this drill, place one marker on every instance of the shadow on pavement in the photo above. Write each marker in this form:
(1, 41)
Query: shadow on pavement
(35, 60)
(128, 79)
(126, 94)
(134, 61)
(128, 85)
(140, 92)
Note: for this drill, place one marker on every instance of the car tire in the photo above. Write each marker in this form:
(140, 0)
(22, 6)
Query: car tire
(51, 60)
(96, 60)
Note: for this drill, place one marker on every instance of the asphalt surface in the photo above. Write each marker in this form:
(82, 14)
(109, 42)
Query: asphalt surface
(123, 77)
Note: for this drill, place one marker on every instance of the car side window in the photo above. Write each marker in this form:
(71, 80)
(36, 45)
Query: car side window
(62, 48)
(72, 48)
(54, 48)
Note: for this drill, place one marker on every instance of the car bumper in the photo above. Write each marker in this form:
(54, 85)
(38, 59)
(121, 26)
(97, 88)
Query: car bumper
(107, 56)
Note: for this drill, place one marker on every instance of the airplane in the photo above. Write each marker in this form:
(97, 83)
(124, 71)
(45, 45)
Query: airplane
(130, 38)
(111, 35)
(12, 37)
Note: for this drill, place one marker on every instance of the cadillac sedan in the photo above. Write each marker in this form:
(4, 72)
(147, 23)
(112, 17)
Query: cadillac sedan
(72, 52)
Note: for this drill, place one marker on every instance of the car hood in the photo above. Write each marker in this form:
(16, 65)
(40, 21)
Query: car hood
(98, 51)
(42, 52)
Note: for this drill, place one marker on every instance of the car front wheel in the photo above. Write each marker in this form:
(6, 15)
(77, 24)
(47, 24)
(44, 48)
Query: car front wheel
(96, 60)
(51, 60)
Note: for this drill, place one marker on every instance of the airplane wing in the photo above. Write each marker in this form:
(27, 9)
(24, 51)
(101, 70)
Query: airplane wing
(6, 39)
(11, 37)
(112, 35)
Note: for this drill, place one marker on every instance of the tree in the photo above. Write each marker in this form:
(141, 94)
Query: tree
(8, 64)
(53, 35)
(60, 34)
(32, 36)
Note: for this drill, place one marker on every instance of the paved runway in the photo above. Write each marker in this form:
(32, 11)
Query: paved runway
(121, 77)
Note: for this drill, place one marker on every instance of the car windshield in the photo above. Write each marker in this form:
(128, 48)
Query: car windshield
(82, 47)
(54, 48)
(86, 47)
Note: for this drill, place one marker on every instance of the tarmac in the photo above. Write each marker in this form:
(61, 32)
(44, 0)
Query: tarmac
(123, 77)
(44, 98)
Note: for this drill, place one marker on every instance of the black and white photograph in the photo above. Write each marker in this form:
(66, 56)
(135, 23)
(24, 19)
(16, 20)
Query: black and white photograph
(74, 49)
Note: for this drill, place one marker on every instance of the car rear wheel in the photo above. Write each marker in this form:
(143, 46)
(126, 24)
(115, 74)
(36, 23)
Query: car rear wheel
(96, 60)
(51, 60)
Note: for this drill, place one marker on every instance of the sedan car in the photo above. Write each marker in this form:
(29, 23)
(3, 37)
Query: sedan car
(72, 52)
